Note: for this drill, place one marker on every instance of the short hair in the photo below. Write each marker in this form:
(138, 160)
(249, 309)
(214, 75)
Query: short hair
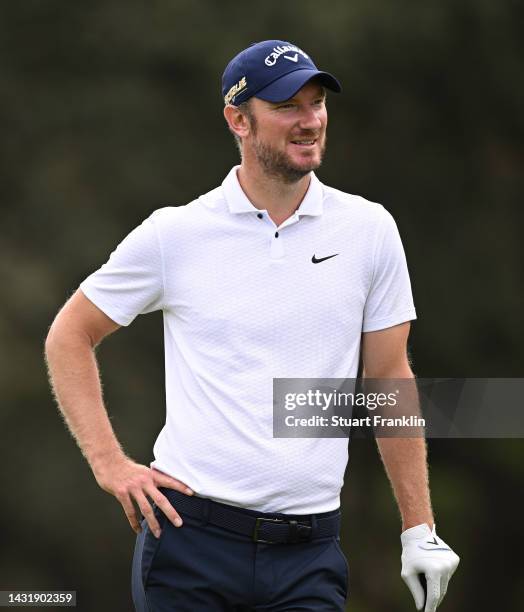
(245, 109)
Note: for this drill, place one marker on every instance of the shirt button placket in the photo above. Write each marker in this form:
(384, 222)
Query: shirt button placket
(277, 246)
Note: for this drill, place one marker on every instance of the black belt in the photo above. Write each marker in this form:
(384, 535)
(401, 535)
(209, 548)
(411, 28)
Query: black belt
(267, 529)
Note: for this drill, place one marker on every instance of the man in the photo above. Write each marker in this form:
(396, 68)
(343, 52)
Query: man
(271, 275)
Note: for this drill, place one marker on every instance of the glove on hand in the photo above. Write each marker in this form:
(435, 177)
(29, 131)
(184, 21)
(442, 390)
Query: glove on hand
(423, 552)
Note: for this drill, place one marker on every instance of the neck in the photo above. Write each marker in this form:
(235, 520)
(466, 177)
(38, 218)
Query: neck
(270, 193)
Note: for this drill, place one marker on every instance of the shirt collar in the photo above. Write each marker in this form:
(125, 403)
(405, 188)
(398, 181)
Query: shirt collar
(238, 202)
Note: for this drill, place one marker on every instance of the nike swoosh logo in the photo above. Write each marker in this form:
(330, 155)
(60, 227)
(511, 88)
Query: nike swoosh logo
(293, 58)
(315, 260)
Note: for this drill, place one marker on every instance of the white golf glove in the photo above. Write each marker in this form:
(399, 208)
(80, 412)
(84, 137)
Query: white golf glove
(423, 552)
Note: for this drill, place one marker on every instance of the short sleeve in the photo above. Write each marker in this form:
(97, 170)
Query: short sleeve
(131, 281)
(389, 301)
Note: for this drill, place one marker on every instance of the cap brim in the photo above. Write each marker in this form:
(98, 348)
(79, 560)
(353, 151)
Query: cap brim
(287, 86)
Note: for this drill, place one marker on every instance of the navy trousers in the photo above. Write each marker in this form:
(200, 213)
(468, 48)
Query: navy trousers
(201, 567)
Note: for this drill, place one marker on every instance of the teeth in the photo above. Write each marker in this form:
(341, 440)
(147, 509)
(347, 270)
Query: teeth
(307, 142)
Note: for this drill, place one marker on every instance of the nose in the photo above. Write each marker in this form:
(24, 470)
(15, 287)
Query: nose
(310, 118)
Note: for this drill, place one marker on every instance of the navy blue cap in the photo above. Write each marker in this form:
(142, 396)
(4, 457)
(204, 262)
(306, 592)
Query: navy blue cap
(272, 70)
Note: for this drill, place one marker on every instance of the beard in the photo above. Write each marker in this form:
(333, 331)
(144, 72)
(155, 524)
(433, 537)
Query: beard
(278, 164)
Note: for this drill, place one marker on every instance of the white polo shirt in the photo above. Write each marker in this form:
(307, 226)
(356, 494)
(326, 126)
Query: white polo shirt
(244, 303)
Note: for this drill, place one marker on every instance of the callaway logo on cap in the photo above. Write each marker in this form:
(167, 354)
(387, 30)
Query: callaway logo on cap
(272, 70)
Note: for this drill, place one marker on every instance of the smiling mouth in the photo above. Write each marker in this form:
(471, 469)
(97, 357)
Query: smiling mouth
(304, 143)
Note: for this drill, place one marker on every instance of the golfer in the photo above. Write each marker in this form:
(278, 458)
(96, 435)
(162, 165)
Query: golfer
(270, 275)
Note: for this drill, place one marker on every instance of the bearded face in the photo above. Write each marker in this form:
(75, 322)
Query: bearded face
(288, 140)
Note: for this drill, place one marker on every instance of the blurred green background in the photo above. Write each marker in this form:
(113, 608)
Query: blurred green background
(111, 110)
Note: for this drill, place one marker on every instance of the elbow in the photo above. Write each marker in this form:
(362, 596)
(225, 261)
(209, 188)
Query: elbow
(62, 338)
(397, 371)
(52, 341)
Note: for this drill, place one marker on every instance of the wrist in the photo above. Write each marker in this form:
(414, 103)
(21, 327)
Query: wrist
(408, 523)
(101, 460)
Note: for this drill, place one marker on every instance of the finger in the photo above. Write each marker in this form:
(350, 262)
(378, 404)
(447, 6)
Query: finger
(131, 514)
(454, 565)
(433, 592)
(147, 511)
(165, 505)
(163, 480)
(444, 581)
(414, 585)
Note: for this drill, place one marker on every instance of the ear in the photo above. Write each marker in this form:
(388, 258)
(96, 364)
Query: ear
(237, 121)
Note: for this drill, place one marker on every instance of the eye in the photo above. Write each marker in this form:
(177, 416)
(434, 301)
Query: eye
(285, 106)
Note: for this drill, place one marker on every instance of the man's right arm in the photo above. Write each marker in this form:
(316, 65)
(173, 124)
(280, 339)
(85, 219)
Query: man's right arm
(73, 371)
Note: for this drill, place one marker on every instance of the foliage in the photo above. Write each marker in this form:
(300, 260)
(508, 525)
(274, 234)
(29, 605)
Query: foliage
(113, 110)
